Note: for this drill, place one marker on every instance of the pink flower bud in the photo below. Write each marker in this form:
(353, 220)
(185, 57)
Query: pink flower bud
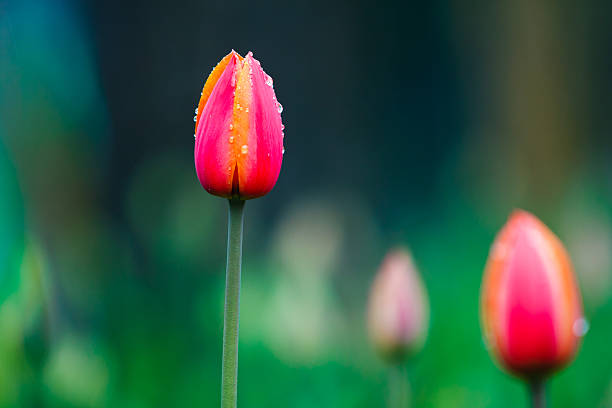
(398, 310)
(531, 306)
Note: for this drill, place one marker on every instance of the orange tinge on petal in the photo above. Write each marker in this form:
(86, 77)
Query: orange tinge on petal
(212, 81)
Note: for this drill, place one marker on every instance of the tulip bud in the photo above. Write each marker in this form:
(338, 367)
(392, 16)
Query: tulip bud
(531, 307)
(239, 133)
(398, 310)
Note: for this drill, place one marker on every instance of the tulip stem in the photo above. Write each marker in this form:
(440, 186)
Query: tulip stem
(398, 386)
(229, 374)
(538, 393)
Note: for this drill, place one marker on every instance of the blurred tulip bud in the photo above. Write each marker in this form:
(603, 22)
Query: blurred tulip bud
(239, 134)
(398, 310)
(531, 307)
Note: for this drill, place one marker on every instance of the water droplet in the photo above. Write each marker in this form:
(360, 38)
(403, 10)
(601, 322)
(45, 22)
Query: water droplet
(238, 106)
(581, 327)
(279, 107)
(194, 136)
(244, 149)
(231, 126)
(231, 139)
(283, 150)
(282, 127)
(269, 80)
(195, 118)
(246, 110)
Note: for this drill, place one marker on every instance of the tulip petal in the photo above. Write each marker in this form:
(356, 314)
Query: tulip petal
(527, 305)
(257, 116)
(211, 81)
(214, 158)
(568, 301)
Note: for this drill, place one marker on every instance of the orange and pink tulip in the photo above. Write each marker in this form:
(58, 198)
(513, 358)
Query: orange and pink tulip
(531, 307)
(238, 154)
(239, 133)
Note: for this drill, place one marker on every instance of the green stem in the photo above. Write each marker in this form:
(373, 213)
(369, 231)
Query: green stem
(229, 375)
(398, 386)
(537, 390)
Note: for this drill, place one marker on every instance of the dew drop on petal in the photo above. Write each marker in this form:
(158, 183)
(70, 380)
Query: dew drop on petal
(282, 127)
(279, 107)
(580, 327)
(231, 126)
(231, 139)
(196, 110)
(269, 80)
(283, 150)
(195, 118)
(244, 149)
(246, 110)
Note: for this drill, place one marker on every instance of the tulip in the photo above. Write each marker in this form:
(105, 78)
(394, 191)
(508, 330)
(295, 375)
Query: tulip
(239, 133)
(531, 307)
(398, 317)
(238, 154)
(398, 310)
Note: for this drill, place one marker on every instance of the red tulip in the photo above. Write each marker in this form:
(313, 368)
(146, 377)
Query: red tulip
(239, 133)
(531, 306)
(398, 310)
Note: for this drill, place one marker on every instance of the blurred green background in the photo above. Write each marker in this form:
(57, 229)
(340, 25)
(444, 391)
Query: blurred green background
(406, 123)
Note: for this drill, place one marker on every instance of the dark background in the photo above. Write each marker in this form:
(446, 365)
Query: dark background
(410, 124)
